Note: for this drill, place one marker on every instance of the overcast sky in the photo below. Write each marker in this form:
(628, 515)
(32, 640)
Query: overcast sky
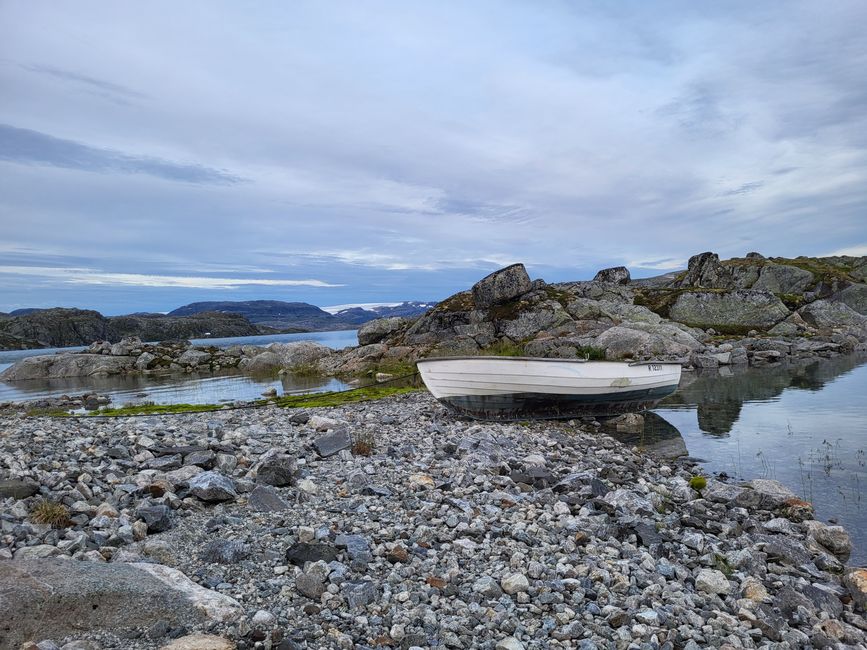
(156, 153)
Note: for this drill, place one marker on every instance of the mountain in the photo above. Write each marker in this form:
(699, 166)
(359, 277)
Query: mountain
(61, 327)
(360, 315)
(301, 316)
(25, 311)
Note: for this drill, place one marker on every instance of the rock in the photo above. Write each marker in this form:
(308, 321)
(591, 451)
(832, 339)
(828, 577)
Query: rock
(823, 314)
(310, 585)
(642, 341)
(376, 330)
(500, 286)
(66, 365)
(731, 310)
(299, 353)
(488, 587)
(278, 470)
(515, 583)
(213, 486)
(303, 552)
(266, 499)
(157, 518)
(628, 501)
(764, 494)
(57, 598)
(206, 459)
(332, 443)
(509, 643)
(356, 547)
(720, 492)
(627, 423)
(833, 538)
(856, 582)
(782, 278)
(358, 593)
(705, 270)
(754, 590)
(17, 488)
(145, 361)
(193, 357)
(712, 581)
(615, 275)
(200, 642)
(855, 297)
(224, 551)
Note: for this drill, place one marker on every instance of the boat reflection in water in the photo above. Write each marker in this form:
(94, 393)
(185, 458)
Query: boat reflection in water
(655, 435)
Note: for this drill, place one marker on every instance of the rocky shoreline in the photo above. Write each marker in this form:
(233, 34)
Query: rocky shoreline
(745, 311)
(391, 524)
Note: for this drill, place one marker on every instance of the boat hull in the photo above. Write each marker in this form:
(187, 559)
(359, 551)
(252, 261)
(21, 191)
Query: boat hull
(517, 388)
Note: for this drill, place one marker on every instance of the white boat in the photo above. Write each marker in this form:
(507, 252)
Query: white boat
(517, 388)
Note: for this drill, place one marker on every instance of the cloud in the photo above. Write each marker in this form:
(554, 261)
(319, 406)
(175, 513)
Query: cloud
(109, 90)
(667, 264)
(849, 251)
(34, 148)
(92, 277)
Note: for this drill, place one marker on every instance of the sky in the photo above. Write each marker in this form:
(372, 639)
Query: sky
(154, 154)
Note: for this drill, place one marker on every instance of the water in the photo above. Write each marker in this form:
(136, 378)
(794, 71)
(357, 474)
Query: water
(179, 388)
(804, 425)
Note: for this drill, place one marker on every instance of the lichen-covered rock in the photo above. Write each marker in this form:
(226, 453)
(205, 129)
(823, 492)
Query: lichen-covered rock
(615, 275)
(827, 314)
(376, 330)
(51, 366)
(502, 285)
(782, 278)
(705, 270)
(741, 309)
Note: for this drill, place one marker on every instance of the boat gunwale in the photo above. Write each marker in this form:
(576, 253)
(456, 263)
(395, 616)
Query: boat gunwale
(550, 359)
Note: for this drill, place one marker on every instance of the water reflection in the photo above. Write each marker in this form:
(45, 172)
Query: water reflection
(658, 436)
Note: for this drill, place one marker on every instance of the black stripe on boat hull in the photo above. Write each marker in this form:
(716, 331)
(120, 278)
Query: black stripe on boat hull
(523, 406)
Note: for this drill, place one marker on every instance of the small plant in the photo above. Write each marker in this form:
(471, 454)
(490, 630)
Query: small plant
(503, 348)
(722, 565)
(698, 483)
(50, 512)
(363, 444)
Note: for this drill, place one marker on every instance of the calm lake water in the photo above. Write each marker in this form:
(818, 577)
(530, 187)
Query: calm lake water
(804, 425)
(179, 389)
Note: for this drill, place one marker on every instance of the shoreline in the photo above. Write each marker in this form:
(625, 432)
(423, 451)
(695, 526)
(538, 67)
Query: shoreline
(453, 531)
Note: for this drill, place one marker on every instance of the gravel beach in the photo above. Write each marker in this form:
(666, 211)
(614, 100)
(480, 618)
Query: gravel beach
(271, 528)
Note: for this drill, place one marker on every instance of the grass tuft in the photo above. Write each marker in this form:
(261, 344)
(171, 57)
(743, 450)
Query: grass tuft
(698, 483)
(363, 444)
(50, 512)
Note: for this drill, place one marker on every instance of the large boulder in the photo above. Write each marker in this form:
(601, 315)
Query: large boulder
(376, 330)
(193, 357)
(53, 598)
(642, 341)
(705, 270)
(824, 314)
(855, 297)
(732, 310)
(782, 278)
(502, 285)
(51, 366)
(615, 275)
(299, 353)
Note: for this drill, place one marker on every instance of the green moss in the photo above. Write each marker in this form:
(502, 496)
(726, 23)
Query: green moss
(462, 301)
(47, 412)
(393, 367)
(792, 301)
(157, 409)
(365, 394)
(823, 271)
(698, 483)
(590, 352)
(722, 565)
(305, 370)
(563, 297)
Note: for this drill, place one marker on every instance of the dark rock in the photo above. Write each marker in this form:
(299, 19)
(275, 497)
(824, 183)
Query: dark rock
(705, 270)
(332, 443)
(310, 585)
(17, 489)
(204, 459)
(769, 622)
(500, 286)
(266, 499)
(615, 275)
(165, 463)
(158, 518)
(278, 470)
(302, 552)
(356, 547)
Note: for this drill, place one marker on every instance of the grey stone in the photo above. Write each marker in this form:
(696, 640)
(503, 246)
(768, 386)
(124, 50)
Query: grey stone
(615, 275)
(764, 494)
(705, 270)
(278, 470)
(712, 581)
(488, 587)
(158, 518)
(302, 552)
(265, 499)
(193, 357)
(224, 551)
(213, 486)
(59, 598)
(356, 547)
(206, 459)
(17, 488)
(310, 585)
(358, 593)
(332, 443)
(500, 286)
(377, 330)
(734, 309)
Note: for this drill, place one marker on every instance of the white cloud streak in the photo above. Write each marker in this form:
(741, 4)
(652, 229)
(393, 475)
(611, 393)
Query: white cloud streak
(93, 277)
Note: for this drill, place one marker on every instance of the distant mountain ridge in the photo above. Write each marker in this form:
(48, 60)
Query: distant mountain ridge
(302, 316)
